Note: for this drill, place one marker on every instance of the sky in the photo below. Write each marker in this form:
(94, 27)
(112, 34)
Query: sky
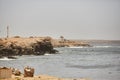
(73, 19)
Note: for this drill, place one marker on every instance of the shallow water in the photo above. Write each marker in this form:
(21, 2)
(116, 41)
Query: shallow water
(100, 62)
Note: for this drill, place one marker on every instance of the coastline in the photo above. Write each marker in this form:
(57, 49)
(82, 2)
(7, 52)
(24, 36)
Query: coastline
(15, 74)
(25, 46)
(34, 45)
(42, 77)
(17, 46)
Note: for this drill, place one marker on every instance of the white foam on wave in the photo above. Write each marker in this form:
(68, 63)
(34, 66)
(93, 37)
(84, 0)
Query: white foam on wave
(102, 46)
(77, 47)
(46, 54)
(94, 47)
(106, 46)
(5, 59)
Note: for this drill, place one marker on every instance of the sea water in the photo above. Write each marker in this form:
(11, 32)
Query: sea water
(98, 62)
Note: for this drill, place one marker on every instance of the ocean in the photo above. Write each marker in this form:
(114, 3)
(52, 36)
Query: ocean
(101, 61)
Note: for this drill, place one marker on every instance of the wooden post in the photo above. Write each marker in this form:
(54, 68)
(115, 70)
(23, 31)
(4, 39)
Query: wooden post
(7, 31)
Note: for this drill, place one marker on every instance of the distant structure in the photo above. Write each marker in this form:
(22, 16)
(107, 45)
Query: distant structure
(7, 31)
(62, 38)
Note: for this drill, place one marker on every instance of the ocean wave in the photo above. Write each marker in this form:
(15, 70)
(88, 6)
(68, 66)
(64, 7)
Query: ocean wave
(106, 46)
(94, 47)
(6, 59)
(47, 54)
(77, 47)
(92, 66)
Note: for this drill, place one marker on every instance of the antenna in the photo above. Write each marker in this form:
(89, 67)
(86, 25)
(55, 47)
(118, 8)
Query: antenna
(7, 31)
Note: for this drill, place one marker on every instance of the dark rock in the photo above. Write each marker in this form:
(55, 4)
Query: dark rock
(11, 57)
(43, 47)
(38, 48)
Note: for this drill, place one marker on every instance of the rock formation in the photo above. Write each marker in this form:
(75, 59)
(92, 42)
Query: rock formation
(25, 46)
(34, 45)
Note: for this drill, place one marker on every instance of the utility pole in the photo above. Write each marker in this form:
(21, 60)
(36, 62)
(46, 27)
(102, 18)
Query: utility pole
(7, 31)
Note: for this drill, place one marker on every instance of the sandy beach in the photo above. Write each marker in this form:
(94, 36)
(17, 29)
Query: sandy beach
(41, 77)
(16, 74)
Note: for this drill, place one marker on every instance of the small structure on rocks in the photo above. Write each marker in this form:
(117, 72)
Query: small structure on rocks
(28, 72)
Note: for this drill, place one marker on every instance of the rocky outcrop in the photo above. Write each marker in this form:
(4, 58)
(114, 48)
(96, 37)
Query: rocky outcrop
(17, 47)
(69, 43)
(35, 45)
(43, 47)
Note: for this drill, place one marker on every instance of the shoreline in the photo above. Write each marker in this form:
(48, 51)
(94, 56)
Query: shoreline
(15, 74)
(34, 45)
(42, 77)
(26, 46)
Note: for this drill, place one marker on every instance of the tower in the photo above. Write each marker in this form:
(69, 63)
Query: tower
(7, 31)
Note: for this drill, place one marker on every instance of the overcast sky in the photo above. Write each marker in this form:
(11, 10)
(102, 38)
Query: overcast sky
(74, 19)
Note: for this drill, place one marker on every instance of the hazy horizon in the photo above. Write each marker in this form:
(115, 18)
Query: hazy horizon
(73, 19)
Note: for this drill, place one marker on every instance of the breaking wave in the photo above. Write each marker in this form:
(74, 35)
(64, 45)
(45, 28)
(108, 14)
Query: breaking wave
(78, 47)
(106, 46)
(94, 47)
(6, 59)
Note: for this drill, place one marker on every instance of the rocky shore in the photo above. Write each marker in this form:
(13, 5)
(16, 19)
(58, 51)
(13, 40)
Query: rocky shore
(18, 46)
(34, 45)
(26, 46)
